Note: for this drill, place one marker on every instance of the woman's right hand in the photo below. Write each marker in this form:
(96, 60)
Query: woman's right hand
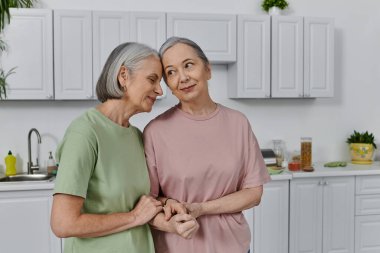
(173, 207)
(184, 225)
(146, 209)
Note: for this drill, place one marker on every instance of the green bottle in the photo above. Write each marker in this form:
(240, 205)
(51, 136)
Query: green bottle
(10, 164)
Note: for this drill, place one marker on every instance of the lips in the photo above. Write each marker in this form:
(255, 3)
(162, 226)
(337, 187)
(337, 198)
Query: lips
(188, 88)
(152, 99)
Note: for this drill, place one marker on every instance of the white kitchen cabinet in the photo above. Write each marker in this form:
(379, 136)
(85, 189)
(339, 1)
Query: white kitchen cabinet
(318, 57)
(367, 219)
(214, 33)
(29, 37)
(250, 75)
(322, 215)
(73, 54)
(283, 57)
(110, 29)
(287, 56)
(25, 222)
(271, 219)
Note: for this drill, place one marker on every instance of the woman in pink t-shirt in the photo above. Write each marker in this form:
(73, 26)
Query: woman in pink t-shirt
(203, 159)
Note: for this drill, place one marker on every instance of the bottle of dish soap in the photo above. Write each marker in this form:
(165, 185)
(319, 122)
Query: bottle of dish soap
(51, 164)
(10, 164)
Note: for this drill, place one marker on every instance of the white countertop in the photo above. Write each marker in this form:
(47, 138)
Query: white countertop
(321, 171)
(349, 170)
(26, 186)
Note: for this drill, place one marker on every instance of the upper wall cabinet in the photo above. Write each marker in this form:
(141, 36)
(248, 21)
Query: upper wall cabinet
(250, 76)
(29, 37)
(214, 33)
(81, 52)
(301, 60)
(73, 54)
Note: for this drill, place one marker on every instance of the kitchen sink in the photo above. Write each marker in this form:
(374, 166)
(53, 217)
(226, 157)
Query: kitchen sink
(27, 178)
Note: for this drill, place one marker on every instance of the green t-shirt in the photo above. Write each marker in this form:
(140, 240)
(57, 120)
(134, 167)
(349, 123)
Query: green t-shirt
(104, 163)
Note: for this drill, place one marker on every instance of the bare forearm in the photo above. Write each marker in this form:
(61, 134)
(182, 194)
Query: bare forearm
(232, 203)
(95, 225)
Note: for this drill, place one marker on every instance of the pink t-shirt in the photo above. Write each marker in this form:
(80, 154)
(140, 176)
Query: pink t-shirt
(201, 158)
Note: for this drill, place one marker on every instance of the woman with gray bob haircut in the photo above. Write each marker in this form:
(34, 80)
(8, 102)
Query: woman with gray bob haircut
(127, 54)
(101, 197)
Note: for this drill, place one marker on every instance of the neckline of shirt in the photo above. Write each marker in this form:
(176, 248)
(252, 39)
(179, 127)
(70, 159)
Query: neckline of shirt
(111, 123)
(199, 117)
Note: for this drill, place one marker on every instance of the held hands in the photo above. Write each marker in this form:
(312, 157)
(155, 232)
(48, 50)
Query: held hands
(146, 208)
(181, 222)
(184, 225)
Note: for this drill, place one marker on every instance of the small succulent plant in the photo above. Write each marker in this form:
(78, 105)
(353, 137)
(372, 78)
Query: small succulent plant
(364, 137)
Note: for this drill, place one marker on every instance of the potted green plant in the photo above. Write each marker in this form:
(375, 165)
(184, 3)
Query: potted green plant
(362, 146)
(274, 7)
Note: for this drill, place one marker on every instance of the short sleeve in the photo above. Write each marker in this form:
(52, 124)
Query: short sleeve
(77, 159)
(151, 162)
(256, 173)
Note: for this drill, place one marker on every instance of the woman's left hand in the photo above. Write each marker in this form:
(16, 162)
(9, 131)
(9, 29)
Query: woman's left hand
(194, 209)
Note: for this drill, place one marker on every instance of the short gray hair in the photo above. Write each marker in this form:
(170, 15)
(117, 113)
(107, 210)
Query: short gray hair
(172, 41)
(130, 55)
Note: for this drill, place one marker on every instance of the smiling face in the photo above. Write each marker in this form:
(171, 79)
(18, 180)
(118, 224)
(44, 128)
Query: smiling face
(143, 86)
(186, 74)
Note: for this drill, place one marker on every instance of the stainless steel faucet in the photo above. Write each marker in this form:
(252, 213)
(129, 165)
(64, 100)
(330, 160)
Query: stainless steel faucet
(31, 167)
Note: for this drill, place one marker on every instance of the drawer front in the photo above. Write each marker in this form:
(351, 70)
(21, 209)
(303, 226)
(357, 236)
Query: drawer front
(367, 231)
(367, 204)
(368, 184)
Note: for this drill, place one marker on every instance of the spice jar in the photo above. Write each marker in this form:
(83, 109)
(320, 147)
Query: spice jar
(306, 154)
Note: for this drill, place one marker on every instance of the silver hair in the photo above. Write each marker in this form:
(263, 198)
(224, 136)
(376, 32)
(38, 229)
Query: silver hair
(172, 41)
(130, 55)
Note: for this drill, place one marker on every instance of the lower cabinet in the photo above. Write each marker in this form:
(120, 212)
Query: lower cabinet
(367, 214)
(269, 220)
(322, 215)
(25, 222)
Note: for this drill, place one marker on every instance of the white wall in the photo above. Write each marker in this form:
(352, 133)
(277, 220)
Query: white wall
(329, 121)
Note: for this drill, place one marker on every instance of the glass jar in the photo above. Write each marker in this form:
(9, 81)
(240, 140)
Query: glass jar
(306, 154)
(278, 151)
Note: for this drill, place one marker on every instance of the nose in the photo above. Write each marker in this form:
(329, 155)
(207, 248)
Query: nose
(158, 89)
(183, 76)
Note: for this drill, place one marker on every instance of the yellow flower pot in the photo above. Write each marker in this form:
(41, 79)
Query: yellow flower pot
(361, 153)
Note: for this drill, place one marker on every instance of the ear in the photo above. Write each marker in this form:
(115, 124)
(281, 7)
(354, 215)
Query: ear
(208, 71)
(122, 76)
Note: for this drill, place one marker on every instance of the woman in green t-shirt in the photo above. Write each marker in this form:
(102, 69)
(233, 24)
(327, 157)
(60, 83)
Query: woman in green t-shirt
(101, 201)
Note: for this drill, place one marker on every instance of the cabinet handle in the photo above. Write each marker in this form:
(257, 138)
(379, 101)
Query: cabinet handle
(89, 96)
(49, 96)
(326, 183)
(320, 182)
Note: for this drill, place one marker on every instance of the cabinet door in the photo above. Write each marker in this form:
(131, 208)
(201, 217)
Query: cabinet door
(287, 56)
(29, 37)
(149, 28)
(271, 222)
(338, 214)
(25, 222)
(367, 231)
(110, 29)
(319, 57)
(249, 77)
(214, 33)
(306, 199)
(73, 54)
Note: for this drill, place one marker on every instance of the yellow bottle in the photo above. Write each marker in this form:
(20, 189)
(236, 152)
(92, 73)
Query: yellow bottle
(10, 164)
